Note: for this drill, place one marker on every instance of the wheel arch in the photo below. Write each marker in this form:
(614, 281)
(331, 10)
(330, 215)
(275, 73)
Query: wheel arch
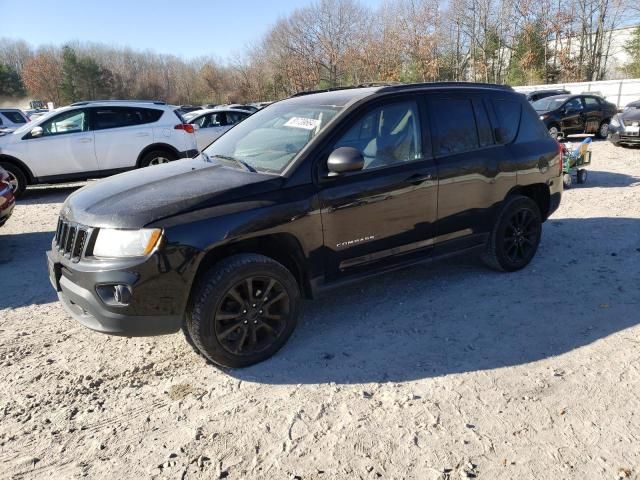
(31, 179)
(284, 248)
(538, 192)
(156, 146)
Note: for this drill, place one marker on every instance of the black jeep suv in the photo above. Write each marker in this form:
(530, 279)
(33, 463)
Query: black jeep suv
(312, 192)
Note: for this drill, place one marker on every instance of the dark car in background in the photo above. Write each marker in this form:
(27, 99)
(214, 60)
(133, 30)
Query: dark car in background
(624, 128)
(540, 94)
(7, 200)
(316, 191)
(575, 114)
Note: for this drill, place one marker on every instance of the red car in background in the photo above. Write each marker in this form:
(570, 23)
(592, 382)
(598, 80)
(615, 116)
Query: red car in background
(7, 200)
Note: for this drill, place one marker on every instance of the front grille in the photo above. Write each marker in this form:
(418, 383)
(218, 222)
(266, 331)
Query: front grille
(71, 239)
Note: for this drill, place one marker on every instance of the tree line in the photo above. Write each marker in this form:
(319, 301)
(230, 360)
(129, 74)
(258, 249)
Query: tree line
(333, 43)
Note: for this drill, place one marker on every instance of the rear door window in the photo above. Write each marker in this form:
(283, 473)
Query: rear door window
(508, 115)
(454, 125)
(116, 117)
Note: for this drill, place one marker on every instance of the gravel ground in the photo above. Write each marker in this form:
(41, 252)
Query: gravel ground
(436, 372)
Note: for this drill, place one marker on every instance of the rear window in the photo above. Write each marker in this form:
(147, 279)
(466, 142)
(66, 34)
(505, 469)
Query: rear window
(15, 117)
(508, 115)
(455, 125)
(115, 117)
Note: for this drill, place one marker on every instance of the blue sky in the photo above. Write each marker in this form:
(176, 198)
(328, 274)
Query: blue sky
(185, 28)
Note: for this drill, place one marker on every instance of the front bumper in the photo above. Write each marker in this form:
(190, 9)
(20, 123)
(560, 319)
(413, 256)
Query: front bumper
(146, 314)
(617, 137)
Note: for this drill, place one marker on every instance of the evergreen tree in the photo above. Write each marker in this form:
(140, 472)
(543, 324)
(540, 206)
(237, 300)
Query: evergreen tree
(10, 82)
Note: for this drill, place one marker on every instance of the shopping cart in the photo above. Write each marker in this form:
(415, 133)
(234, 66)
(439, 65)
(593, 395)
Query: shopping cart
(574, 162)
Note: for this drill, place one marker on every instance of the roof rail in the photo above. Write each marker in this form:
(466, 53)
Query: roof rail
(88, 102)
(390, 86)
(408, 86)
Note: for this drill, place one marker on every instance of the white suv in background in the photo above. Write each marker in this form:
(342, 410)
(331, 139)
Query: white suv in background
(11, 119)
(95, 139)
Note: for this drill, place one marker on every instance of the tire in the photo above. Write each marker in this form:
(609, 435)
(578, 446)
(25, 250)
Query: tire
(567, 180)
(221, 318)
(603, 130)
(17, 178)
(582, 176)
(157, 157)
(554, 132)
(515, 236)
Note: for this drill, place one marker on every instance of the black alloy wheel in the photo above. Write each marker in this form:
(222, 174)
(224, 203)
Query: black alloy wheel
(521, 236)
(515, 236)
(243, 310)
(252, 315)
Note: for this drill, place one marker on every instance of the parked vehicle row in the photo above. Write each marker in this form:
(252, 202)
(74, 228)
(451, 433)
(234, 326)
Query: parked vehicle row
(574, 114)
(311, 193)
(95, 139)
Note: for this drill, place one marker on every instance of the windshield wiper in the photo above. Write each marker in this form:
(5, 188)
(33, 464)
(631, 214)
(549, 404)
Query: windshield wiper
(238, 161)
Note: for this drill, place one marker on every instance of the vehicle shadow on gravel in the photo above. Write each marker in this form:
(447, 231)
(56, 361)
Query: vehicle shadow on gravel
(48, 194)
(24, 278)
(601, 179)
(457, 316)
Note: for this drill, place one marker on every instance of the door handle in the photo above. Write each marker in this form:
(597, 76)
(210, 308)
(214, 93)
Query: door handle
(142, 134)
(419, 178)
(85, 140)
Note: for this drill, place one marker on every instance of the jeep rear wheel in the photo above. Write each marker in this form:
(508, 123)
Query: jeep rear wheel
(515, 236)
(243, 311)
(17, 178)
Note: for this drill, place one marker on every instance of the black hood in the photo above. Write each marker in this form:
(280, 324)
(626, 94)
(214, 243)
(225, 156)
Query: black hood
(135, 199)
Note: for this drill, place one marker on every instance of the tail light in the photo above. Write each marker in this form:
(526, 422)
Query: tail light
(187, 127)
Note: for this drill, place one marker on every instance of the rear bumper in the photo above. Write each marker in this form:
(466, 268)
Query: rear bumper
(554, 202)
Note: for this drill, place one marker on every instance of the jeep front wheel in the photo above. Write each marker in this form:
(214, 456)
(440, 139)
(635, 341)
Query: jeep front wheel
(243, 311)
(515, 236)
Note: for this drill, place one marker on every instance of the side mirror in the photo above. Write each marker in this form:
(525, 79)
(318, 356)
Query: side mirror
(343, 160)
(36, 132)
(501, 135)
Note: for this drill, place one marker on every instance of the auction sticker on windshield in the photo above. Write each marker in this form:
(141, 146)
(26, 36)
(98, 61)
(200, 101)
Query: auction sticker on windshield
(302, 122)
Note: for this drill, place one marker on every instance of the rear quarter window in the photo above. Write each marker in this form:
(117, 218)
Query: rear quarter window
(508, 115)
(531, 127)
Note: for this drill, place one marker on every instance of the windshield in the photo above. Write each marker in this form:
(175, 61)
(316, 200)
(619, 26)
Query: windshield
(548, 103)
(270, 139)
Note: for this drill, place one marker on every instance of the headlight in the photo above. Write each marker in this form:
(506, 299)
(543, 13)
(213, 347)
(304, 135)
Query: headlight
(615, 122)
(542, 117)
(126, 243)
